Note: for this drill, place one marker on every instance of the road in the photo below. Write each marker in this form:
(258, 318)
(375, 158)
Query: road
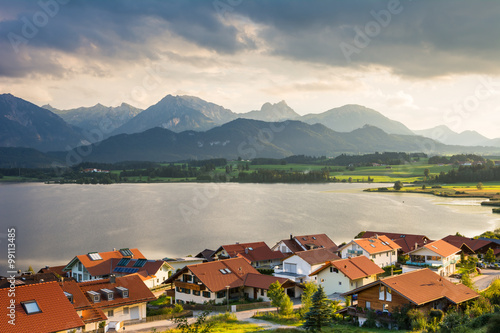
(484, 280)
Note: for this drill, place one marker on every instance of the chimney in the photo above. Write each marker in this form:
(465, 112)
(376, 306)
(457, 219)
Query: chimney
(291, 236)
(114, 249)
(112, 278)
(416, 245)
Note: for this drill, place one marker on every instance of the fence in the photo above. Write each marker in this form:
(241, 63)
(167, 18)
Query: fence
(224, 308)
(185, 313)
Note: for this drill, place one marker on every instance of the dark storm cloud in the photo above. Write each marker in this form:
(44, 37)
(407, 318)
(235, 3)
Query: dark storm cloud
(417, 38)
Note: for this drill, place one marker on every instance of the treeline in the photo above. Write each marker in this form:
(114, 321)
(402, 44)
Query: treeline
(460, 158)
(474, 173)
(281, 176)
(170, 171)
(389, 158)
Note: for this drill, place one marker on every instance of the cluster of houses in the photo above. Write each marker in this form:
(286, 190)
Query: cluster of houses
(111, 289)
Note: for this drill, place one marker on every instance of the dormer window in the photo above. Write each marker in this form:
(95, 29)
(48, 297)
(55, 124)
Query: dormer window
(31, 307)
(69, 297)
(94, 296)
(108, 294)
(123, 291)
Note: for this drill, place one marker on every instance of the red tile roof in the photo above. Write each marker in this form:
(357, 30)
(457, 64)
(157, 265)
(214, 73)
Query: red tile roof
(317, 256)
(137, 290)
(440, 247)
(59, 270)
(209, 273)
(262, 281)
(354, 268)
(257, 251)
(57, 313)
(406, 241)
(150, 268)
(423, 286)
(102, 267)
(376, 244)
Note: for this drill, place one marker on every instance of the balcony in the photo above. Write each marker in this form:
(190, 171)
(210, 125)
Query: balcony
(187, 285)
(423, 264)
(356, 252)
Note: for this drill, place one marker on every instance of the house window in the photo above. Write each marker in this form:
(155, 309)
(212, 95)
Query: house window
(196, 292)
(85, 276)
(340, 283)
(79, 266)
(374, 256)
(368, 305)
(262, 292)
(387, 254)
(381, 294)
(187, 278)
(97, 298)
(290, 268)
(221, 294)
(187, 291)
(206, 294)
(385, 308)
(393, 253)
(322, 280)
(389, 295)
(111, 313)
(31, 307)
(178, 289)
(125, 311)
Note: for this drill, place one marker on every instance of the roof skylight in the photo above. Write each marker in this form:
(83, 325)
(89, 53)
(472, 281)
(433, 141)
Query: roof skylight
(31, 307)
(94, 256)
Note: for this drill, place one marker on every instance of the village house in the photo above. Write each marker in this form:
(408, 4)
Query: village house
(408, 242)
(117, 300)
(97, 265)
(304, 243)
(380, 249)
(152, 272)
(439, 256)
(343, 275)
(39, 307)
(420, 289)
(258, 253)
(478, 246)
(206, 255)
(298, 266)
(179, 263)
(220, 280)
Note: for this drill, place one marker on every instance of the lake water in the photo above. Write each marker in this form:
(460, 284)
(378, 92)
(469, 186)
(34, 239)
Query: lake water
(56, 222)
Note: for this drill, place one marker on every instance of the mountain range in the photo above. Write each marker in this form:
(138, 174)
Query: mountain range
(184, 127)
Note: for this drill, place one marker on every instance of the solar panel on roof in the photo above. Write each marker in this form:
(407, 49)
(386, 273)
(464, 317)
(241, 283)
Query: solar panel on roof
(140, 262)
(126, 252)
(228, 271)
(123, 262)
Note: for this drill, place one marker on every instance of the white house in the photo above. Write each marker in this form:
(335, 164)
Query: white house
(221, 280)
(343, 275)
(298, 266)
(439, 256)
(380, 249)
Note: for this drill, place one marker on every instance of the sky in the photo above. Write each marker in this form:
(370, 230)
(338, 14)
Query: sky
(424, 63)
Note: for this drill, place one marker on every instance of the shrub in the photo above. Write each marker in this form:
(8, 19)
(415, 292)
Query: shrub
(481, 320)
(453, 322)
(178, 308)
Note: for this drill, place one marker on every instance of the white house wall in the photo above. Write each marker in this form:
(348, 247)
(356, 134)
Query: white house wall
(333, 282)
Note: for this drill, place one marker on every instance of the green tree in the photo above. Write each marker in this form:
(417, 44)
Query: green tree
(286, 306)
(310, 289)
(493, 324)
(479, 186)
(490, 256)
(276, 294)
(398, 185)
(467, 281)
(30, 269)
(201, 325)
(319, 313)
(426, 173)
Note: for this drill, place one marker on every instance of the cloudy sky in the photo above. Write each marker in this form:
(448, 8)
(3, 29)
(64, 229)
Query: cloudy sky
(424, 63)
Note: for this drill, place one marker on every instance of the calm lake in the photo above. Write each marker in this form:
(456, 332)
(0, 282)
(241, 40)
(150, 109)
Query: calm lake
(56, 222)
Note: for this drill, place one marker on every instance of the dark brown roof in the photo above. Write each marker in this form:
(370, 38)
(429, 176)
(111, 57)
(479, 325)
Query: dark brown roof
(317, 256)
(59, 270)
(206, 254)
(257, 251)
(57, 313)
(423, 286)
(406, 241)
(316, 241)
(292, 245)
(354, 268)
(477, 245)
(263, 281)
